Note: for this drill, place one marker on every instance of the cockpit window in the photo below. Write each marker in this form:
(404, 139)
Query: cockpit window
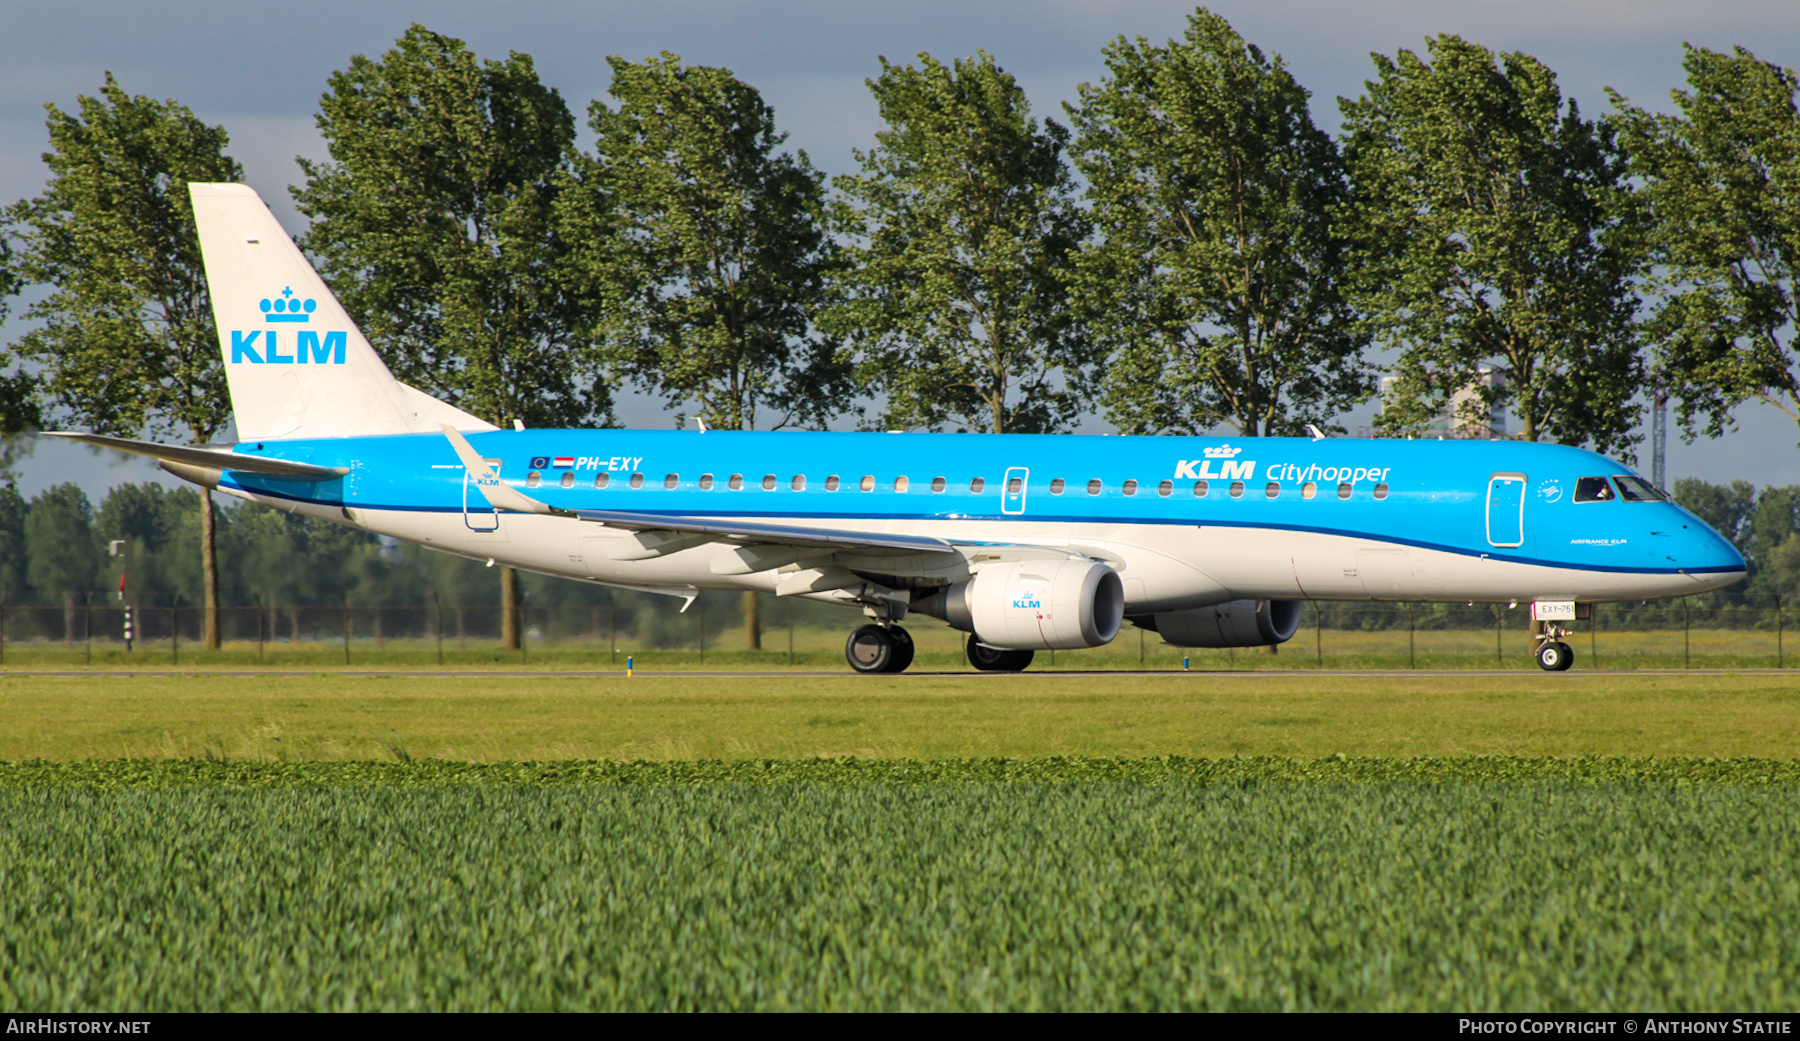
(1636, 489)
(1593, 489)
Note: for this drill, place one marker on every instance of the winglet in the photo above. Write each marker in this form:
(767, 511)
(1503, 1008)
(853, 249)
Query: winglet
(498, 495)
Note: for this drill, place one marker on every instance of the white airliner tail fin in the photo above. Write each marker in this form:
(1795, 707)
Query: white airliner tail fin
(297, 366)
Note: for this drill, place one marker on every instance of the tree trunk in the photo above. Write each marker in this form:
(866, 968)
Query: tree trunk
(68, 618)
(209, 571)
(752, 621)
(509, 609)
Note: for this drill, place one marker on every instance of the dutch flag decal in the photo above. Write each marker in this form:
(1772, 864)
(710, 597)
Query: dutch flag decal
(564, 462)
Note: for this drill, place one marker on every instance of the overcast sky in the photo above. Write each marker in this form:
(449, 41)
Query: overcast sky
(259, 68)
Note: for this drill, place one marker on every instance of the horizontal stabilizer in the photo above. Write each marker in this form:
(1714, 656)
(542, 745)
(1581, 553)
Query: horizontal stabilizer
(215, 458)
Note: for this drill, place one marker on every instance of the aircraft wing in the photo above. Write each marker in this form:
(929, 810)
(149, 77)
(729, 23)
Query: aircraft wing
(213, 458)
(756, 531)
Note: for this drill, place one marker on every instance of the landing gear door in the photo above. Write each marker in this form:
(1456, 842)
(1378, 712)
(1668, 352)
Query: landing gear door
(478, 515)
(1506, 511)
(1012, 500)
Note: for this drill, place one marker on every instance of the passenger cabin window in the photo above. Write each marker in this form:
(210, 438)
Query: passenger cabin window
(736, 482)
(868, 483)
(798, 483)
(1237, 489)
(976, 485)
(1309, 489)
(1344, 490)
(1166, 489)
(637, 480)
(768, 482)
(1130, 488)
(568, 479)
(1094, 486)
(937, 484)
(831, 483)
(1381, 491)
(602, 480)
(1594, 489)
(1200, 489)
(1056, 486)
(533, 479)
(1015, 485)
(1272, 490)
(900, 484)
(706, 482)
(1636, 489)
(671, 481)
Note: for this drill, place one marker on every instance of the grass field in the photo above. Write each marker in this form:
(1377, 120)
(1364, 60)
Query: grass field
(1458, 885)
(1510, 841)
(672, 716)
(940, 648)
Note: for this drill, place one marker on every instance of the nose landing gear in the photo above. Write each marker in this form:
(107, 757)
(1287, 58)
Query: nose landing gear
(1555, 656)
(876, 648)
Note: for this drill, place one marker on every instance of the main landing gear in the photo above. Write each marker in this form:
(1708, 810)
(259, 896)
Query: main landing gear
(879, 648)
(993, 659)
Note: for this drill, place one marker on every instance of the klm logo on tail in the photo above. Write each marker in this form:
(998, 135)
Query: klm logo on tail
(309, 348)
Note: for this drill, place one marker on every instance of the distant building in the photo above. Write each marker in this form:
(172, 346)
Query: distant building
(1462, 416)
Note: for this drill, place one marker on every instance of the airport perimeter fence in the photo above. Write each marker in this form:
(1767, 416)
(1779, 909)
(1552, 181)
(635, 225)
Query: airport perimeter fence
(1701, 632)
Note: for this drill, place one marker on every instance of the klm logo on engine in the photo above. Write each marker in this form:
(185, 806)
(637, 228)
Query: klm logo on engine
(265, 346)
(1027, 602)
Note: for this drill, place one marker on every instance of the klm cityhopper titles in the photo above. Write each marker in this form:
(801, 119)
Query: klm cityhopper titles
(1024, 542)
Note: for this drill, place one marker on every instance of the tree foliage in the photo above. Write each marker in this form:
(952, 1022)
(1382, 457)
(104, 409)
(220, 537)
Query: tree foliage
(1496, 233)
(126, 343)
(708, 247)
(964, 227)
(1722, 188)
(1217, 280)
(435, 223)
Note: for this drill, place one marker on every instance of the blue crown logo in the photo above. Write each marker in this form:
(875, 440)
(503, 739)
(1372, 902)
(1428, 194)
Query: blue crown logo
(285, 308)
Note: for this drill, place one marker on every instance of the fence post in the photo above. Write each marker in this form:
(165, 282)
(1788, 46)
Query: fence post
(1499, 619)
(1593, 630)
(1412, 660)
(438, 603)
(790, 632)
(346, 630)
(1779, 656)
(2, 628)
(87, 630)
(259, 629)
(1318, 635)
(1687, 658)
(612, 627)
(175, 628)
(702, 599)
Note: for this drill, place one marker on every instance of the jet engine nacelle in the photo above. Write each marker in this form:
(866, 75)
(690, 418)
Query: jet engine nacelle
(1034, 605)
(1240, 623)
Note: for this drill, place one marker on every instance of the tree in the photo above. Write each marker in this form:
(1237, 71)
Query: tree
(709, 248)
(64, 557)
(1721, 187)
(965, 227)
(14, 581)
(127, 342)
(1217, 280)
(1495, 235)
(435, 224)
(20, 405)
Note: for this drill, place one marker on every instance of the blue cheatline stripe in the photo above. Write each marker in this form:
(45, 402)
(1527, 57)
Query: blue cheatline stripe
(1198, 525)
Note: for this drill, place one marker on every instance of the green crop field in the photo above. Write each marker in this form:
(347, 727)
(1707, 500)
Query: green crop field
(1055, 884)
(1055, 841)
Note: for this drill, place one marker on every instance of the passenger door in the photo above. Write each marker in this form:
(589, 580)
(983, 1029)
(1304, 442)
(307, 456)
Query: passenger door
(1506, 511)
(478, 515)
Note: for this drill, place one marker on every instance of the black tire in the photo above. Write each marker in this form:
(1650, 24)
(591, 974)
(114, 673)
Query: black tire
(992, 659)
(1555, 657)
(870, 650)
(903, 649)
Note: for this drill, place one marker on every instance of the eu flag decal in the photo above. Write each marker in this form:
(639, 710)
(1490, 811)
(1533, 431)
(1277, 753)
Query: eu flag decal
(540, 462)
